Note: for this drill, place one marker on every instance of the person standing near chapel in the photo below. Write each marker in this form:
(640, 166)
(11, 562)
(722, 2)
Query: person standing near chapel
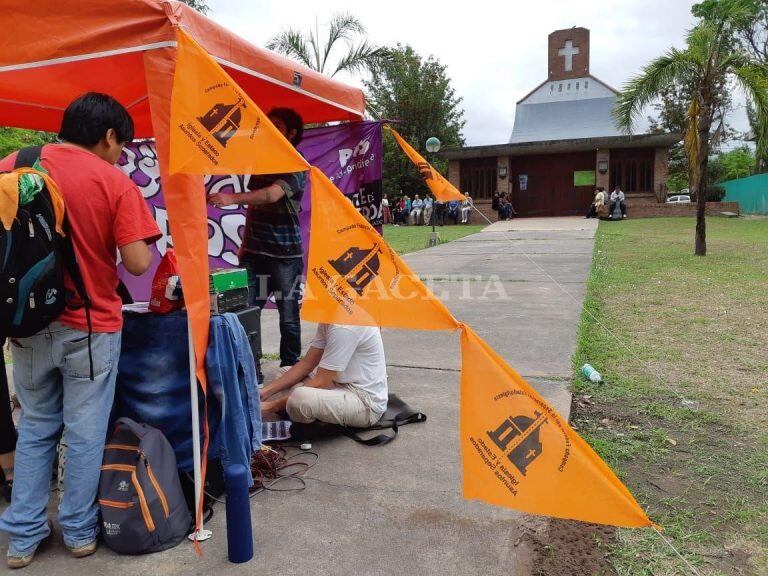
(271, 250)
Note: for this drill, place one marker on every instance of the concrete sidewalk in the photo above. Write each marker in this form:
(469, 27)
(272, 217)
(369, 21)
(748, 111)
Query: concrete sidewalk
(398, 509)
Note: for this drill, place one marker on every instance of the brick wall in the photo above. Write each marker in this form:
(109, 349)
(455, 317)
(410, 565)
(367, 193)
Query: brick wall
(655, 210)
(485, 207)
(603, 179)
(454, 173)
(580, 39)
(660, 172)
(502, 184)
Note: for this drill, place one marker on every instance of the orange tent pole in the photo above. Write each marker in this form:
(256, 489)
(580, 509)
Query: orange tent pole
(188, 222)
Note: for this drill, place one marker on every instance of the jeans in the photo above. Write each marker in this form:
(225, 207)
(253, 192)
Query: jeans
(622, 207)
(52, 381)
(281, 277)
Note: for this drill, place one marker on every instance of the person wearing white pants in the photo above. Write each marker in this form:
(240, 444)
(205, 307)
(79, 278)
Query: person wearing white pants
(342, 379)
(466, 207)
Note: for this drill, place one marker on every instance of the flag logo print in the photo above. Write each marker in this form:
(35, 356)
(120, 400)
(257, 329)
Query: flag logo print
(518, 438)
(215, 128)
(223, 120)
(358, 266)
(425, 170)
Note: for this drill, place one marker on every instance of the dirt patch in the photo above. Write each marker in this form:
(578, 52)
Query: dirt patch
(565, 548)
(687, 457)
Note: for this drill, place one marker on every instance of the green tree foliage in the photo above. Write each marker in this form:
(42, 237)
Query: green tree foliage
(671, 115)
(737, 163)
(417, 93)
(761, 160)
(345, 31)
(11, 139)
(712, 58)
(199, 5)
(750, 22)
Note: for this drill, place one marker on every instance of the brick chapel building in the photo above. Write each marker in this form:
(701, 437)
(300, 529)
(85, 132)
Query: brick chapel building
(564, 144)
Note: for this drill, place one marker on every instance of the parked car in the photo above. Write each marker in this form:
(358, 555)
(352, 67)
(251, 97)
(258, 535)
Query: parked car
(679, 199)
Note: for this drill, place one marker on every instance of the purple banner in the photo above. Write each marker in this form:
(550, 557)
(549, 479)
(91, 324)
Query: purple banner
(349, 154)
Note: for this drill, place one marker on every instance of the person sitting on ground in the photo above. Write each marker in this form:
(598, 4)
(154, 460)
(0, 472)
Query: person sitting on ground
(466, 206)
(417, 206)
(342, 379)
(453, 211)
(597, 202)
(617, 197)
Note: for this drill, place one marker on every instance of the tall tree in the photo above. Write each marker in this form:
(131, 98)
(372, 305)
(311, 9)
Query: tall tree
(711, 58)
(750, 22)
(417, 93)
(671, 112)
(345, 31)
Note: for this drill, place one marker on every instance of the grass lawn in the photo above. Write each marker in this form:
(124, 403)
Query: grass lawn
(405, 239)
(683, 414)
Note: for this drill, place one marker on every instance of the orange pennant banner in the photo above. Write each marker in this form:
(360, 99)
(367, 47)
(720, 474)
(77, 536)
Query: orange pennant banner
(443, 190)
(354, 277)
(519, 453)
(215, 127)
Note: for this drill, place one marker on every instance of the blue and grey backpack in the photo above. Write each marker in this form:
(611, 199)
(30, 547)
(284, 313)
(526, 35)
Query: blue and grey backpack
(33, 258)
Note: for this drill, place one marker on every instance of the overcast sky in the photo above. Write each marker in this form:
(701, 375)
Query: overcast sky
(496, 52)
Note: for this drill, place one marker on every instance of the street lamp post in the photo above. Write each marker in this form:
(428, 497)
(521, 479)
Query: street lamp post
(433, 147)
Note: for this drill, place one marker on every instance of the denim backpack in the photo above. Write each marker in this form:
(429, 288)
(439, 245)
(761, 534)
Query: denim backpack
(142, 505)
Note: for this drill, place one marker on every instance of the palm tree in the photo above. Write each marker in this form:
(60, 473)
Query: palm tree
(309, 49)
(710, 58)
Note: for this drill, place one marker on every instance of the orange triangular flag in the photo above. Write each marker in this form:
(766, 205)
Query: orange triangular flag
(443, 190)
(215, 127)
(354, 277)
(519, 453)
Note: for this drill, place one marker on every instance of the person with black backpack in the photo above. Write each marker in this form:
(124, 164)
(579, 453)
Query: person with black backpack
(74, 212)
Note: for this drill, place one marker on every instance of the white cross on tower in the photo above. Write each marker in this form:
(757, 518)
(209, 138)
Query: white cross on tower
(568, 51)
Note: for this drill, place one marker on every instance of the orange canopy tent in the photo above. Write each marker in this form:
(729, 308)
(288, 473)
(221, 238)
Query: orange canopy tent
(55, 50)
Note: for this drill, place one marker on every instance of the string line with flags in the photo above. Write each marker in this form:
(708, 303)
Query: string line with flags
(516, 450)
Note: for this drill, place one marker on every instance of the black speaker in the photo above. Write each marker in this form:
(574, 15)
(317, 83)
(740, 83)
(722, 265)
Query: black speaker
(250, 319)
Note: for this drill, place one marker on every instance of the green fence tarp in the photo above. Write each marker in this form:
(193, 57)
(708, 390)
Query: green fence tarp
(751, 193)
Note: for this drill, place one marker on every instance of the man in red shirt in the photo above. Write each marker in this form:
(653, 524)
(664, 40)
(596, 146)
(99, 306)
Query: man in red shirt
(51, 370)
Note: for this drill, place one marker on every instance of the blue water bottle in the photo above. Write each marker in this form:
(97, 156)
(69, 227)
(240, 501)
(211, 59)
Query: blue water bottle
(239, 532)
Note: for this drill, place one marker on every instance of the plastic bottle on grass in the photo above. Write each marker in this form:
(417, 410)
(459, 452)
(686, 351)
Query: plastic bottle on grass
(593, 375)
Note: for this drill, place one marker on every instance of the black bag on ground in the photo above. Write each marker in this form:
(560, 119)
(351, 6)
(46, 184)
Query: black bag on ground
(398, 414)
(142, 505)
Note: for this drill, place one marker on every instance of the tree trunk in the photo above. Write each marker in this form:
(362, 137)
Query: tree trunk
(700, 177)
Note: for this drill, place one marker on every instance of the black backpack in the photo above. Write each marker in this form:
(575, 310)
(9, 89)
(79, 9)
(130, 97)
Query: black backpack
(140, 496)
(33, 258)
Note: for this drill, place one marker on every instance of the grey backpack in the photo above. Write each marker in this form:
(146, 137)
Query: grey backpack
(142, 505)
